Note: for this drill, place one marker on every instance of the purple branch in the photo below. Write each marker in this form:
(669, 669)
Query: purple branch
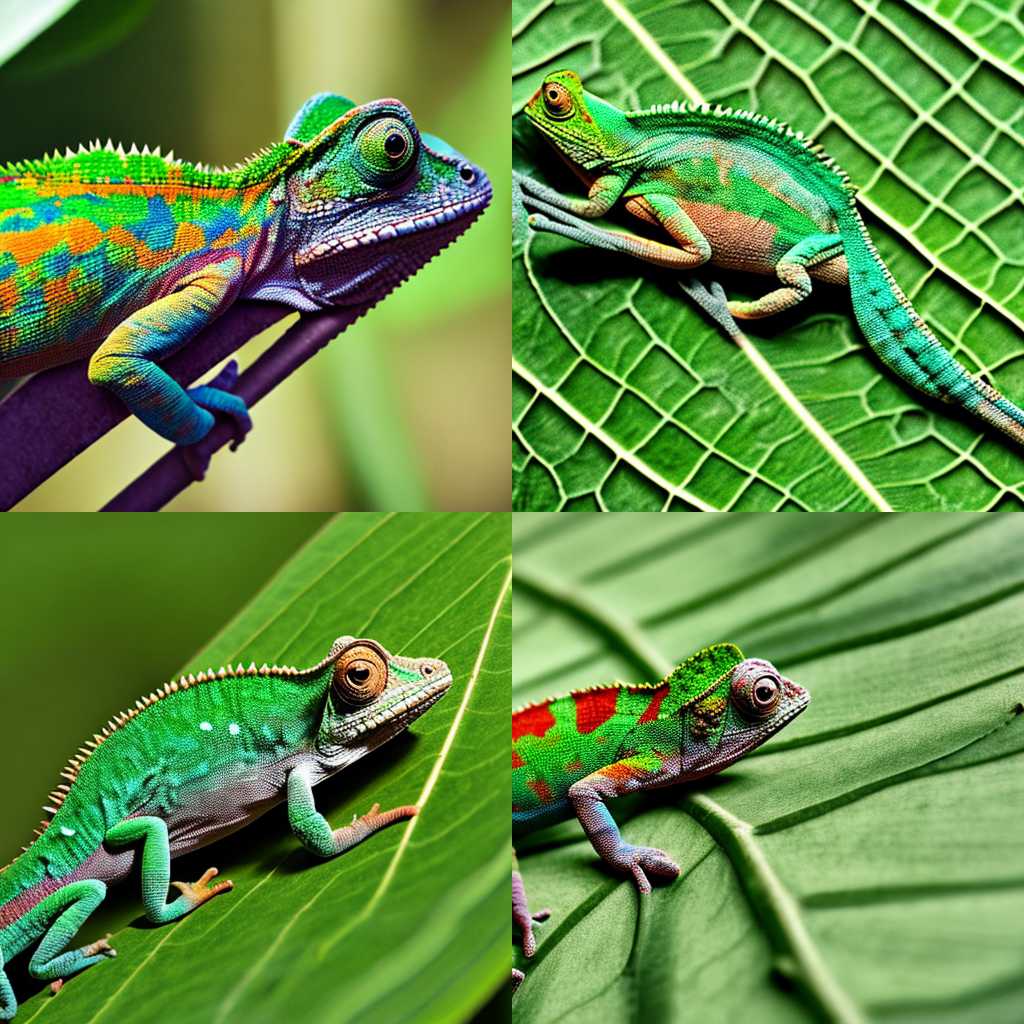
(57, 414)
(170, 475)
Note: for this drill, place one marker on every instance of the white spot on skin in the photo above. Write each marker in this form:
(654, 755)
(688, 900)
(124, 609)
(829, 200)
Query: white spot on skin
(234, 729)
(205, 726)
(65, 831)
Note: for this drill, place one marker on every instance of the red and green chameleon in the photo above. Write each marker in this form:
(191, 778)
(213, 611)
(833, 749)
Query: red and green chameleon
(572, 754)
(122, 257)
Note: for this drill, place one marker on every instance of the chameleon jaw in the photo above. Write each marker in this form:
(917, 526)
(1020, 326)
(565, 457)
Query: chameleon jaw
(467, 209)
(413, 700)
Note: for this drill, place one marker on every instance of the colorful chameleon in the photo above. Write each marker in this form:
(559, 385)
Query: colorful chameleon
(123, 257)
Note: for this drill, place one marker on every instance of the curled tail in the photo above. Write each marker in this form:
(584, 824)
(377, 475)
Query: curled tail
(904, 342)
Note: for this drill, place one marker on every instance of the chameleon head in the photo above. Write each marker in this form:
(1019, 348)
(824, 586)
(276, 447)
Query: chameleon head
(373, 695)
(749, 704)
(579, 124)
(371, 199)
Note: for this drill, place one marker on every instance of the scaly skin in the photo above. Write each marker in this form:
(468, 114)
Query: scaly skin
(194, 761)
(124, 257)
(739, 190)
(571, 754)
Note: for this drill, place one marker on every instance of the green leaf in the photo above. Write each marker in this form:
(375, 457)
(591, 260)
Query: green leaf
(862, 865)
(410, 925)
(626, 397)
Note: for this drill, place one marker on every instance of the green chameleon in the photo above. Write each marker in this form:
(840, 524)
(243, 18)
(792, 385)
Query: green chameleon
(122, 257)
(196, 760)
(741, 191)
(571, 754)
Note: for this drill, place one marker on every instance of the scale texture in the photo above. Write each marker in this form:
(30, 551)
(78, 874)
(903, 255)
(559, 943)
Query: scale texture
(194, 761)
(122, 257)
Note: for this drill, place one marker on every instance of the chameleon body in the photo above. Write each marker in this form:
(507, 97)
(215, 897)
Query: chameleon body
(122, 257)
(572, 754)
(739, 190)
(196, 760)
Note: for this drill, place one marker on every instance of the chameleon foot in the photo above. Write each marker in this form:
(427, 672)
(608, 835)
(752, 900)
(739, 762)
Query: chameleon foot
(99, 946)
(639, 861)
(197, 893)
(713, 301)
(526, 923)
(374, 820)
(517, 978)
(217, 397)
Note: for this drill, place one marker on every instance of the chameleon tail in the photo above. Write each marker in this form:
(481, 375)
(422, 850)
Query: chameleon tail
(903, 341)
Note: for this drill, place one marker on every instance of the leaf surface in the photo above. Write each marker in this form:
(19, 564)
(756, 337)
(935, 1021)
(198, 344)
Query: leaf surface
(862, 865)
(625, 397)
(410, 925)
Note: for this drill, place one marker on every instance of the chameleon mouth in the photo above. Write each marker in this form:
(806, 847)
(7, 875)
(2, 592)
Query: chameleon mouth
(406, 703)
(466, 211)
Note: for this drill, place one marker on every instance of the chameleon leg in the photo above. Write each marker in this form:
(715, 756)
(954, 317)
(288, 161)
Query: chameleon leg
(312, 829)
(8, 1000)
(67, 909)
(588, 796)
(521, 911)
(126, 362)
(792, 272)
(156, 871)
(603, 194)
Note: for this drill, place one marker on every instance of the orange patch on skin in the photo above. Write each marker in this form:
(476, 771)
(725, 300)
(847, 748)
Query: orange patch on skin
(188, 238)
(26, 247)
(8, 295)
(541, 790)
(620, 772)
(226, 238)
(59, 292)
(517, 761)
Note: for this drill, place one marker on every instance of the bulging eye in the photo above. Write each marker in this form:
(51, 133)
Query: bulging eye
(385, 145)
(757, 697)
(360, 673)
(557, 100)
(427, 670)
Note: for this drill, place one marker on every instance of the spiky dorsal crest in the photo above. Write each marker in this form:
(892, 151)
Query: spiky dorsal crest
(678, 113)
(70, 772)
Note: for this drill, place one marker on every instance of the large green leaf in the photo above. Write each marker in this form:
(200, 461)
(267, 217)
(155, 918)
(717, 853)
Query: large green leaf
(410, 924)
(625, 397)
(863, 865)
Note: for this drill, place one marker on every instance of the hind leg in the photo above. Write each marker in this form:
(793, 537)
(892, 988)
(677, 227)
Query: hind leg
(61, 914)
(792, 272)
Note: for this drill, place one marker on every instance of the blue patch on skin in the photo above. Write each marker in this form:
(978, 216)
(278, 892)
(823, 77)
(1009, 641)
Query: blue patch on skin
(159, 228)
(226, 218)
(57, 262)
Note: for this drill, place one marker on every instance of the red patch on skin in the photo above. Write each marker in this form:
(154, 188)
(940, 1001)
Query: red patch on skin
(574, 766)
(533, 721)
(541, 790)
(593, 709)
(517, 761)
(651, 714)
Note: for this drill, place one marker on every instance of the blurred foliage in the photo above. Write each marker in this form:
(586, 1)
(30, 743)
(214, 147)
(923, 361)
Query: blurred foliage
(215, 81)
(864, 864)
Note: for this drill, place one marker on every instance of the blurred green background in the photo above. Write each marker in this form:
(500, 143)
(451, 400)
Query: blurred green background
(216, 80)
(115, 603)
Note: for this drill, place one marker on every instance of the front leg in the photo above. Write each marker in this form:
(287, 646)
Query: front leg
(126, 363)
(156, 871)
(604, 192)
(588, 797)
(312, 829)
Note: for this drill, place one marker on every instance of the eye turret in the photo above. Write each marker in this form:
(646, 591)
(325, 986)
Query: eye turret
(360, 672)
(557, 100)
(757, 696)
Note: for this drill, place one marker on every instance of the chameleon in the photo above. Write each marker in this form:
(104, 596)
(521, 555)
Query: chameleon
(745, 192)
(573, 753)
(196, 760)
(123, 256)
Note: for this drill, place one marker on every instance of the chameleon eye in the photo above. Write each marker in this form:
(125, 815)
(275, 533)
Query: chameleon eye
(360, 673)
(757, 697)
(384, 146)
(557, 101)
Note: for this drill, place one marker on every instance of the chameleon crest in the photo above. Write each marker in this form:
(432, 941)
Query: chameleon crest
(121, 256)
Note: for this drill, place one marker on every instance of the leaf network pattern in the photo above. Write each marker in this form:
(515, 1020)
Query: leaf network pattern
(625, 398)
